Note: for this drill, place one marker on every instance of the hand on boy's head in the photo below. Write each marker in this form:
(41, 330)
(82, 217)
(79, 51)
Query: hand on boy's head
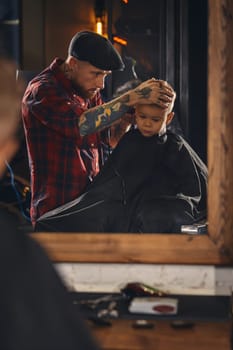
(155, 91)
(167, 90)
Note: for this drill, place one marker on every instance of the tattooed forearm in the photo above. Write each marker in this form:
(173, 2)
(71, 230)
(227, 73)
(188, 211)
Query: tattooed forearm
(99, 117)
(102, 116)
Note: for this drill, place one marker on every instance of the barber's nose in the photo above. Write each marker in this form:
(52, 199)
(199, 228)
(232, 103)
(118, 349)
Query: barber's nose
(100, 82)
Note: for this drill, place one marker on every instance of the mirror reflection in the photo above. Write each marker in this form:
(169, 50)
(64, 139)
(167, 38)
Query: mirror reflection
(153, 181)
(151, 178)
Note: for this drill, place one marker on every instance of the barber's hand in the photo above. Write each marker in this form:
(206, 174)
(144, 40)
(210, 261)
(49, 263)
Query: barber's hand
(119, 128)
(154, 91)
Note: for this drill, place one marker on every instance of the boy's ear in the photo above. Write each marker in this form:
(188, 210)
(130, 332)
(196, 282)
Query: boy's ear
(170, 117)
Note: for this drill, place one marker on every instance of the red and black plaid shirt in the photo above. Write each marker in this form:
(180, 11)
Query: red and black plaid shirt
(61, 161)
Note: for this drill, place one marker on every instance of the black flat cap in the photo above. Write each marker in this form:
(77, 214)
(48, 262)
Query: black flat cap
(95, 49)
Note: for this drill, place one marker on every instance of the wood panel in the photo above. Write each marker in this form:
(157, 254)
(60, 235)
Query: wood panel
(220, 123)
(131, 248)
(203, 336)
(32, 35)
(59, 28)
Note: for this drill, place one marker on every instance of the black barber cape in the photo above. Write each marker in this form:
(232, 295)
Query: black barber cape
(36, 312)
(151, 184)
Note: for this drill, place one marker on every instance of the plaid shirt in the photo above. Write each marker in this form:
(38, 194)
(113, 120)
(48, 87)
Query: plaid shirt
(61, 161)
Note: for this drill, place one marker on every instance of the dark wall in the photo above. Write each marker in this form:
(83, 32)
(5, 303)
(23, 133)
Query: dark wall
(198, 28)
(168, 40)
(9, 29)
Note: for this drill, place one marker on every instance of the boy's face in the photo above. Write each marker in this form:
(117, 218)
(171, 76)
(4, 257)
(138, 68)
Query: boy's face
(152, 120)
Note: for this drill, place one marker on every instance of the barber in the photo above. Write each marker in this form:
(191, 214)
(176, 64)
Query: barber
(63, 112)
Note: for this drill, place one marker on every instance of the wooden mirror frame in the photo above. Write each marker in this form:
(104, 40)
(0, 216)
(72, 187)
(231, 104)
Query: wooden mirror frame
(217, 246)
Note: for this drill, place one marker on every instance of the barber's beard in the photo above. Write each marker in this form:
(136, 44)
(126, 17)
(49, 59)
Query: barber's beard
(85, 94)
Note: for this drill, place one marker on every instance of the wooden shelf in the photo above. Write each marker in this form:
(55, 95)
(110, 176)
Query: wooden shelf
(202, 336)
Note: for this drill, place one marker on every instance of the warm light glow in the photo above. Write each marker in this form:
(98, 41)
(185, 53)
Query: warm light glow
(125, 1)
(119, 40)
(99, 26)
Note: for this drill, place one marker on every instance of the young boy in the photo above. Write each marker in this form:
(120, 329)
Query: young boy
(152, 182)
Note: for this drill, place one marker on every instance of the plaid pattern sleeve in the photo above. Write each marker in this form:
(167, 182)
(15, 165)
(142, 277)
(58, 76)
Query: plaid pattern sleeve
(59, 169)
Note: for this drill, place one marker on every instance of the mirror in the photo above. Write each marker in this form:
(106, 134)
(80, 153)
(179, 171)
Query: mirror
(214, 248)
(166, 192)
